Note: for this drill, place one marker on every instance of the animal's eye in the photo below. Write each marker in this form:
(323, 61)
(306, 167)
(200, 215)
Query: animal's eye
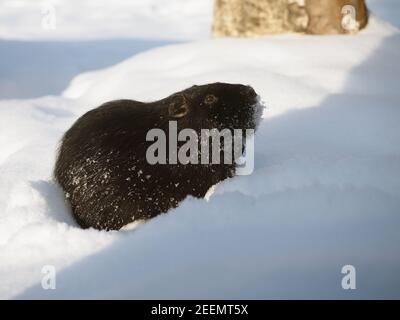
(178, 108)
(210, 99)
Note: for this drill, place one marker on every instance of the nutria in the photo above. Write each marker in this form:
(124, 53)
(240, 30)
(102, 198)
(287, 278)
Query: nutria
(102, 165)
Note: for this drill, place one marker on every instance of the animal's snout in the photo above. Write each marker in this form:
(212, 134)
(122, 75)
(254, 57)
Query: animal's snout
(248, 91)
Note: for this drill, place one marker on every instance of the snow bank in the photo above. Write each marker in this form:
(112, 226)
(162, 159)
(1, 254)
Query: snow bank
(87, 35)
(325, 192)
(304, 66)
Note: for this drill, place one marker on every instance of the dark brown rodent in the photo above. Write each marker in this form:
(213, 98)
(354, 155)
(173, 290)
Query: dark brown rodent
(102, 164)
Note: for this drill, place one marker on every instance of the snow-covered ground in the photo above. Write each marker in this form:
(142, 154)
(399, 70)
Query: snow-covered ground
(325, 191)
(103, 19)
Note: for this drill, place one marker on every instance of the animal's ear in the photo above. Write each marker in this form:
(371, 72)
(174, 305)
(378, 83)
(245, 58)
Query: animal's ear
(178, 107)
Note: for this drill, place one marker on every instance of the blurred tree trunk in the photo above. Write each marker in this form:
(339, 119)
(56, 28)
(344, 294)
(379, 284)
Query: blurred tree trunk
(249, 18)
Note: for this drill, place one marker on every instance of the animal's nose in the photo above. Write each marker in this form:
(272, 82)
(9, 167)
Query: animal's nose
(248, 91)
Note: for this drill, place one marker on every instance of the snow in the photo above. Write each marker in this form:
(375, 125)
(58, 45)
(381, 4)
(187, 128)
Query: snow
(56, 63)
(325, 191)
(102, 19)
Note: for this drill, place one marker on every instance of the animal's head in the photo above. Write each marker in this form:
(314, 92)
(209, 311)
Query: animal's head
(216, 105)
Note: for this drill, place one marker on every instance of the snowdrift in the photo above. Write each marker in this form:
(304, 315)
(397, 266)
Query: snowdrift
(325, 191)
